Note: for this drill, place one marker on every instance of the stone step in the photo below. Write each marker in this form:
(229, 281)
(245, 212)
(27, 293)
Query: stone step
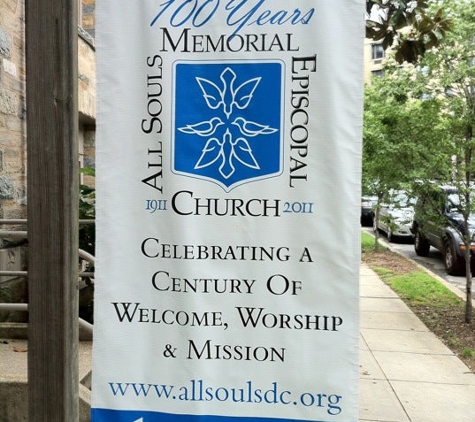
(14, 378)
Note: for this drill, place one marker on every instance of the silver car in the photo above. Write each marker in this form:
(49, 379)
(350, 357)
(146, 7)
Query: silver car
(396, 216)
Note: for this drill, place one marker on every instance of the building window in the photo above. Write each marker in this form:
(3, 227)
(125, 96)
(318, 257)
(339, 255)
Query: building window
(377, 73)
(377, 51)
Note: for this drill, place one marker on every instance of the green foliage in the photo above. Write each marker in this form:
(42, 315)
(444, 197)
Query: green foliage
(403, 138)
(468, 352)
(409, 27)
(87, 242)
(417, 118)
(417, 287)
(367, 241)
(87, 211)
(382, 272)
(450, 77)
(421, 289)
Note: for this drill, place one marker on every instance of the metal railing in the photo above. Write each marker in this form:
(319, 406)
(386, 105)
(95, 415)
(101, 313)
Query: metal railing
(18, 235)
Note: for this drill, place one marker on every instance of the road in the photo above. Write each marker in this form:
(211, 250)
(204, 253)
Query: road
(433, 262)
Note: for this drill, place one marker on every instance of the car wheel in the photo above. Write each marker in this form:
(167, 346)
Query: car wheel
(453, 263)
(421, 245)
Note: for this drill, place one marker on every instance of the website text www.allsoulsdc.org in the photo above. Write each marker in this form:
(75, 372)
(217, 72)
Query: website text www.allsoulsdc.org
(199, 391)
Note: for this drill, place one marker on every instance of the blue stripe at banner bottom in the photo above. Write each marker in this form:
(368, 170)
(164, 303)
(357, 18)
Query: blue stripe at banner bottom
(108, 415)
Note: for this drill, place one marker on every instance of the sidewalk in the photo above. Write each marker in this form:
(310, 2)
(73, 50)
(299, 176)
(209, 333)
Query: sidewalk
(406, 373)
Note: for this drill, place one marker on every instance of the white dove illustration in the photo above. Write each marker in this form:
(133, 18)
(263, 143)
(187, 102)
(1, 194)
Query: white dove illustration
(249, 128)
(205, 128)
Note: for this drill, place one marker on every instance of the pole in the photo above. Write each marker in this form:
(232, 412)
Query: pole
(52, 147)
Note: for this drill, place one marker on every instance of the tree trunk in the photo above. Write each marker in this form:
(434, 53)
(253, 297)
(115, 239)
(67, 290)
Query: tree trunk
(468, 295)
(375, 225)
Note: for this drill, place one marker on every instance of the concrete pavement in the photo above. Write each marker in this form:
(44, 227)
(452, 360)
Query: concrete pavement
(406, 373)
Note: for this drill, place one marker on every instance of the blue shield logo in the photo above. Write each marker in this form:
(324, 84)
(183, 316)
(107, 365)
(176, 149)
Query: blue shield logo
(228, 121)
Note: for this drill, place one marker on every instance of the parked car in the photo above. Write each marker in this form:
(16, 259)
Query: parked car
(368, 203)
(438, 222)
(396, 216)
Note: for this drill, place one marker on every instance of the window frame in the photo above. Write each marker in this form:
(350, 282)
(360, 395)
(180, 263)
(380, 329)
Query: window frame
(377, 52)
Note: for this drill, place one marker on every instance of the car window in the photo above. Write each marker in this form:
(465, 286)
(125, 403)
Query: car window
(458, 202)
(399, 200)
(403, 201)
(453, 202)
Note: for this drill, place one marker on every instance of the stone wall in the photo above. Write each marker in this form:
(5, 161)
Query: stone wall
(13, 103)
(13, 136)
(88, 21)
(86, 78)
(87, 102)
(12, 148)
(12, 110)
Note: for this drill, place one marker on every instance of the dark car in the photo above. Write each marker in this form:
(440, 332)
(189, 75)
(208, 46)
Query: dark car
(438, 222)
(367, 209)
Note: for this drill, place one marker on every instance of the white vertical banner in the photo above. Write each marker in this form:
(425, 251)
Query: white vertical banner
(228, 190)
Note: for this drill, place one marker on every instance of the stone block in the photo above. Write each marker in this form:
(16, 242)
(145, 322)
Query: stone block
(7, 188)
(10, 260)
(9, 103)
(5, 43)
